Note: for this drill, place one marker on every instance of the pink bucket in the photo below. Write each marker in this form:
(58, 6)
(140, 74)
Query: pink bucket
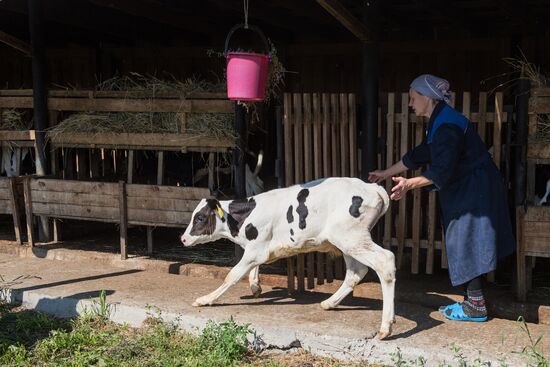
(246, 76)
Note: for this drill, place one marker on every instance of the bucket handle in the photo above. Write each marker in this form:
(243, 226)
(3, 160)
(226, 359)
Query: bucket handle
(250, 27)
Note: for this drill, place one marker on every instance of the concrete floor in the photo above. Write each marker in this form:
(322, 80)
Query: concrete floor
(62, 282)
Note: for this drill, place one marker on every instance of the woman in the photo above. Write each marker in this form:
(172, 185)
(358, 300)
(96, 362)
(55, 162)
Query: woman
(472, 196)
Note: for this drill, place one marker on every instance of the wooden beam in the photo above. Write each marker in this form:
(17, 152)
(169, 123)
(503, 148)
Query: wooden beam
(354, 25)
(15, 42)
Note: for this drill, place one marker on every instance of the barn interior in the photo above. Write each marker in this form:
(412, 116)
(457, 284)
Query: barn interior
(494, 51)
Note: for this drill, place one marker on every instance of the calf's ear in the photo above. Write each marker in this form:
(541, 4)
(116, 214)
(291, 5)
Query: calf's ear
(213, 203)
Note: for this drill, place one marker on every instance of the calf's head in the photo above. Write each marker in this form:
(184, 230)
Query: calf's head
(206, 223)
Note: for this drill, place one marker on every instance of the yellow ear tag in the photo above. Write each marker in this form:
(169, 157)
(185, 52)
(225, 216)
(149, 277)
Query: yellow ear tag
(220, 211)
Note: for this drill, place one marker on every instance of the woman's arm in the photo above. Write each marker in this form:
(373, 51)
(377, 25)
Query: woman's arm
(406, 184)
(381, 175)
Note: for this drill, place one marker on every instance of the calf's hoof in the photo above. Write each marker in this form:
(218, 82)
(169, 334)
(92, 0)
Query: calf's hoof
(256, 290)
(325, 305)
(199, 302)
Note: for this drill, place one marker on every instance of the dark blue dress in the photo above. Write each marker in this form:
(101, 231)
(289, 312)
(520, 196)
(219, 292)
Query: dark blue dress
(471, 191)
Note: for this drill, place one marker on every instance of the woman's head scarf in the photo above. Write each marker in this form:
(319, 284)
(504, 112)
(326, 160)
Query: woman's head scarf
(433, 87)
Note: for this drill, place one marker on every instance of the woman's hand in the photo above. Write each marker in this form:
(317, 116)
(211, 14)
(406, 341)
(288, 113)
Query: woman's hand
(377, 176)
(399, 190)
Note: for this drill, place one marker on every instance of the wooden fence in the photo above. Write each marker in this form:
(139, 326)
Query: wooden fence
(320, 137)
(320, 134)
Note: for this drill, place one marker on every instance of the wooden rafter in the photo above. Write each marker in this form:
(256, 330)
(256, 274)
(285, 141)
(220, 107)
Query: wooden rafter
(15, 42)
(348, 20)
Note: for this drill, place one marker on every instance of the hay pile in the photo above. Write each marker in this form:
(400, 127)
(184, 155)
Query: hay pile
(215, 125)
(529, 71)
(12, 119)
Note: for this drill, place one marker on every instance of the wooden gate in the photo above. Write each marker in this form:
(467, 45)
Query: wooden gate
(320, 141)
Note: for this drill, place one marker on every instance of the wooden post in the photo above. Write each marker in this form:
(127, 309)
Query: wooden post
(388, 221)
(123, 209)
(28, 210)
(280, 162)
(40, 92)
(160, 167)
(521, 290)
(238, 160)
(211, 167)
(15, 210)
(130, 177)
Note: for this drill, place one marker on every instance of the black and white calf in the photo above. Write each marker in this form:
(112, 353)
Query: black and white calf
(333, 214)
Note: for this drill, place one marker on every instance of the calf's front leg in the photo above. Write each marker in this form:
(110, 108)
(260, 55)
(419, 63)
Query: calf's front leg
(240, 270)
(254, 281)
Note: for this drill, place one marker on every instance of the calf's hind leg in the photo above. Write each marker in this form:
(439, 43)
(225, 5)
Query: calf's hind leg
(355, 271)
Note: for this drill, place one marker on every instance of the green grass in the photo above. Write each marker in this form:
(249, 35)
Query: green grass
(29, 338)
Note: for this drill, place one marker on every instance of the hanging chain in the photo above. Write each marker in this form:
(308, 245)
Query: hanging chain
(245, 3)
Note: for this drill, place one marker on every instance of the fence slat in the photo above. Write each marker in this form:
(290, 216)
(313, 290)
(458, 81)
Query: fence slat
(287, 124)
(404, 143)
(389, 161)
(497, 129)
(344, 135)
(326, 135)
(318, 168)
(335, 136)
(298, 139)
(352, 135)
(308, 138)
(482, 125)
(416, 217)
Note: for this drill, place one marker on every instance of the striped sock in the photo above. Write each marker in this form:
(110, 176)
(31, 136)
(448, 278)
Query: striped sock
(474, 305)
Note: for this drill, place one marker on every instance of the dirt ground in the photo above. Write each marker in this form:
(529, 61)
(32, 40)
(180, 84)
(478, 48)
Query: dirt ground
(80, 268)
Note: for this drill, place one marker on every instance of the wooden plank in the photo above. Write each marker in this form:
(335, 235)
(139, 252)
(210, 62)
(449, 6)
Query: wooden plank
(15, 211)
(308, 138)
(6, 135)
(139, 141)
(317, 121)
(344, 135)
(146, 95)
(320, 268)
(537, 230)
(5, 206)
(287, 126)
(388, 222)
(130, 176)
(466, 105)
(124, 104)
(335, 136)
(537, 214)
(29, 211)
(77, 211)
(298, 139)
(353, 135)
(310, 270)
(167, 192)
(404, 144)
(149, 240)
(75, 198)
(416, 214)
(160, 167)
(15, 43)
(123, 220)
(41, 184)
(430, 254)
(156, 204)
(497, 130)
(538, 150)
(183, 122)
(291, 285)
(521, 289)
(4, 192)
(537, 244)
(300, 272)
(530, 182)
(327, 166)
(482, 125)
(347, 19)
(159, 216)
(444, 262)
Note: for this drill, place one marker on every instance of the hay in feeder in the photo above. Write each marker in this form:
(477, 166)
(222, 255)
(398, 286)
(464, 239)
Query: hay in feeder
(12, 119)
(215, 125)
(138, 82)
